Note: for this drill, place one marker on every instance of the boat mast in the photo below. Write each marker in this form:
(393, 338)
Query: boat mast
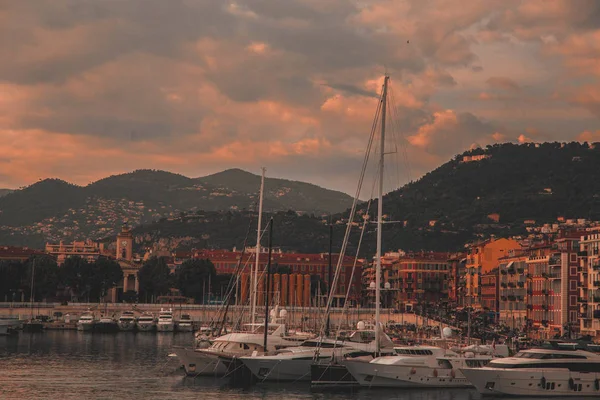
(31, 299)
(259, 231)
(380, 215)
(268, 283)
(330, 278)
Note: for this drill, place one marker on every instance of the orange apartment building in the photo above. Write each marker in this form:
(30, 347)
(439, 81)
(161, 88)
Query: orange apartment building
(481, 259)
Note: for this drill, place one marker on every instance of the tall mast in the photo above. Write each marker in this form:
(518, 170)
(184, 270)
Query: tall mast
(31, 297)
(380, 214)
(258, 233)
(268, 284)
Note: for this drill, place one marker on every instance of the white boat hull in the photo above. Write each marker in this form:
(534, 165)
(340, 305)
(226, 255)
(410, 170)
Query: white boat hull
(528, 382)
(404, 376)
(196, 363)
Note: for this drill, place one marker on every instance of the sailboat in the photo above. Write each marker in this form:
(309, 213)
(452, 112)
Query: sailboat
(33, 325)
(256, 337)
(336, 374)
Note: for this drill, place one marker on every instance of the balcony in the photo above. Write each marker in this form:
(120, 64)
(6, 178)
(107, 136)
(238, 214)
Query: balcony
(504, 285)
(512, 285)
(521, 284)
(554, 261)
(545, 307)
(503, 272)
(582, 300)
(512, 271)
(582, 253)
(520, 270)
(512, 298)
(596, 313)
(529, 306)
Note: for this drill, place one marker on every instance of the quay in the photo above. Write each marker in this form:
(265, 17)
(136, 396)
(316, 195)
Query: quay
(65, 316)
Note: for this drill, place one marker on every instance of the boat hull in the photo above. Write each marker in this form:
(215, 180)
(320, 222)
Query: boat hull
(533, 382)
(331, 376)
(33, 326)
(405, 376)
(106, 327)
(165, 327)
(184, 327)
(145, 327)
(278, 370)
(85, 327)
(197, 363)
(126, 326)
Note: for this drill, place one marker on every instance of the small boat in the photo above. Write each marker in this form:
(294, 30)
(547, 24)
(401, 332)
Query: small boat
(165, 321)
(8, 326)
(86, 323)
(185, 324)
(126, 321)
(146, 323)
(106, 324)
(33, 325)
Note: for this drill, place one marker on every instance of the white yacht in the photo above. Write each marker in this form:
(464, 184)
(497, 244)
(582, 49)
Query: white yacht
(294, 363)
(185, 323)
(86, 323)
(423, 366)
(146, 323)
(212, 360)
(126, 321)
(165, 321)
(540, 372)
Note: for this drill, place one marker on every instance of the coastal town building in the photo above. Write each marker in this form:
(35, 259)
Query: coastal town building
(589, 274)
(482, 257)
(88, 250)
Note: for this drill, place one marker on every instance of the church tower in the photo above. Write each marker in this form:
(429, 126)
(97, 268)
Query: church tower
(125, 244)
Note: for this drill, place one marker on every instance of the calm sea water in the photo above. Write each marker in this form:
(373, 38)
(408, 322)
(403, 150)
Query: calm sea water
(63, 365)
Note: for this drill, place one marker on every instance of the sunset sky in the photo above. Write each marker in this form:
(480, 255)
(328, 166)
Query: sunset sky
(94, 88)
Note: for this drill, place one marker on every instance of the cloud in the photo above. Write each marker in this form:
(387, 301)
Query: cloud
(503, 83)
(97, 88)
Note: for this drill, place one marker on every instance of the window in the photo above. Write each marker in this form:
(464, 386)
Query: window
(573, 271)
(572, 300)
(573, 257)
(573, 285)
(573, 316)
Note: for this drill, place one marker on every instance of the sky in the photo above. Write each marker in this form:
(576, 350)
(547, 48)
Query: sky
(94, 88)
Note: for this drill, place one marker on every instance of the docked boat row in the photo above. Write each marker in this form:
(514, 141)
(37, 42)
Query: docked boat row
(366, 357)
(127, 322)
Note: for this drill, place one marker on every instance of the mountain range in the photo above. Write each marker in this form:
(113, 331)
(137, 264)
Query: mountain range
(52, 209)
(498, 190)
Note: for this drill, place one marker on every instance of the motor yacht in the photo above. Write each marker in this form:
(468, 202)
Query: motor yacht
(146, 323)
(165, 321)
(214, 359)
(294, 363)
(106, 324)
(126, 321)
(185, 324)
(423, 366)
(86, 323)
(540, 372)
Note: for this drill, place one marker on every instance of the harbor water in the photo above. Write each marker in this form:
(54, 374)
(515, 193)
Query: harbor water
(77, 365)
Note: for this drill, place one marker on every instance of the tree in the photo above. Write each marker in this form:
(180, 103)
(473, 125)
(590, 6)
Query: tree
(46, 277)
(154, 278)
(76, 273)
(11, 279)
(192, 277)
(106, 274)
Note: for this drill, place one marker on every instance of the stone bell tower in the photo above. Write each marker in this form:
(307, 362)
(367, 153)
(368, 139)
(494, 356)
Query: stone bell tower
(125, 244)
